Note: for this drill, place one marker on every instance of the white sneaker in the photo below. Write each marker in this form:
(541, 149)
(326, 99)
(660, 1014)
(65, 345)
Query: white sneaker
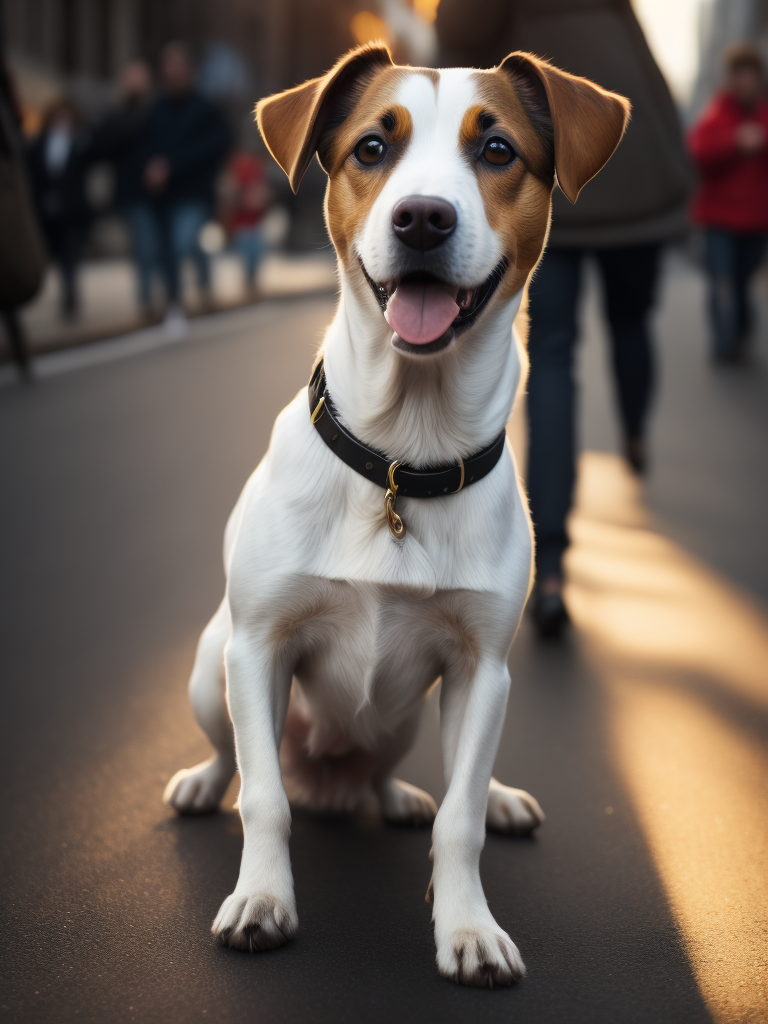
(175, 323)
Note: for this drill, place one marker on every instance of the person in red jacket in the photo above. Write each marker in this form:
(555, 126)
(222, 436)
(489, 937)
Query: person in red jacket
(730, 146)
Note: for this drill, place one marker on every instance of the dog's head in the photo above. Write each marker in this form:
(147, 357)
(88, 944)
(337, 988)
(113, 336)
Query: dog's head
(440, 181)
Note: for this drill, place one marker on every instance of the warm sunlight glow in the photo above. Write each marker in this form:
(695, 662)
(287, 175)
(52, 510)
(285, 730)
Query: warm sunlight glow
(367, 27)
(673, 33)
(426, 9)
(684, 660)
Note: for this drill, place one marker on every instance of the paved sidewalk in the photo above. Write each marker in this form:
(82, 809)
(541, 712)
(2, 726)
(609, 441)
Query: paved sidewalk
(109, 305)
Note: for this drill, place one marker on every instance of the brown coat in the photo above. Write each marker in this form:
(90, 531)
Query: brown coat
(641, 195)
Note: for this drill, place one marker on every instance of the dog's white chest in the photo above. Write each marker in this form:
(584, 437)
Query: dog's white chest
(367, 653)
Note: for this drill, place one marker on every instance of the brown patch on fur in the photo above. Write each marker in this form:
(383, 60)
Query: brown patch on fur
(293, 121)
(516, 197)
(587, 120)
(554, 120)
(352, 188)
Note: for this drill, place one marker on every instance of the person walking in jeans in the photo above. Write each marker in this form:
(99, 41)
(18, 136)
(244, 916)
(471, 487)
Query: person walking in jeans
(184, 143)
(730, 146)
(622, 217)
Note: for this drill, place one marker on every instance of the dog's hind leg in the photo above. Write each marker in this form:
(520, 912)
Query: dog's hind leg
(401, 802)
(405, 804)
(200, 789)
(512, 810)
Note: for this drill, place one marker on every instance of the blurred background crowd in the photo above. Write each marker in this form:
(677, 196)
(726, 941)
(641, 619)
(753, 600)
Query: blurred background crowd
(128, 144)
(140, 144)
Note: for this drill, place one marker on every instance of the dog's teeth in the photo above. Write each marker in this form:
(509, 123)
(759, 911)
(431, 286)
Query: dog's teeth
(464, 298)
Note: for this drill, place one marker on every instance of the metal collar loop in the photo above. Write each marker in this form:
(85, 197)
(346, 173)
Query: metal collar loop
(394, 522)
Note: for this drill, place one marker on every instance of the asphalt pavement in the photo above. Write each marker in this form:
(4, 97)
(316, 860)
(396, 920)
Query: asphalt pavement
(643, 734)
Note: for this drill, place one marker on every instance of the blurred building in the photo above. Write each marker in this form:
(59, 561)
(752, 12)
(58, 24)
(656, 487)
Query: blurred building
(247, 48)
(724, 22)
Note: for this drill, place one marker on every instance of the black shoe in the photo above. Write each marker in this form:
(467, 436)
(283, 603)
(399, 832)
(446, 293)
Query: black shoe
(636, 455)
(550, 616)
(730, 358)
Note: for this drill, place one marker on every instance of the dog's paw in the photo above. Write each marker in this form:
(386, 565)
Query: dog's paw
(481, 957)
(198, 790)
(255, 922)
(404, 803)
(512, 810)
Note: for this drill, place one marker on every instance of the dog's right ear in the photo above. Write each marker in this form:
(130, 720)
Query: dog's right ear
(293, 121)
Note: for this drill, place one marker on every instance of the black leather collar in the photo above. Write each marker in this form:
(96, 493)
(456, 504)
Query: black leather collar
(414, 483)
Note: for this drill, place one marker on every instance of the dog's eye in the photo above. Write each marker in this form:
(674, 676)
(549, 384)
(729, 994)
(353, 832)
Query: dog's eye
(498, 152)
(371, 150)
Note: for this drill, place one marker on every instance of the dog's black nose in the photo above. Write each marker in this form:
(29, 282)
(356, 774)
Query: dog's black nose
(423, 222)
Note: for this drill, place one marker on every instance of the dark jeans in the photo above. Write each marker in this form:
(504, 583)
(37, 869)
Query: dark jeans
(731, 261)
(145, 233)
(629, 278)
(179, 226)
(65, 240)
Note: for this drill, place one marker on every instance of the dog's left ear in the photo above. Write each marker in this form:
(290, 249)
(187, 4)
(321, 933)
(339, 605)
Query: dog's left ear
(293, 121)
(588, 121)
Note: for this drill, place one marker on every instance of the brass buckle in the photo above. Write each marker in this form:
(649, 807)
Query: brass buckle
(394, 522)
(461, 482)
(319, 410)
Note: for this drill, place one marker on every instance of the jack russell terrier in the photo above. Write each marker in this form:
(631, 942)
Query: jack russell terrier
(384, 540)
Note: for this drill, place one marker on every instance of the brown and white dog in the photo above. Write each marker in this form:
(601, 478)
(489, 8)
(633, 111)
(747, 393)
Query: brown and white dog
(332, 630)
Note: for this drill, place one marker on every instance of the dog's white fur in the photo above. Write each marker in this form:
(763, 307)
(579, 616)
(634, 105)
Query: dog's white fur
(325, 610)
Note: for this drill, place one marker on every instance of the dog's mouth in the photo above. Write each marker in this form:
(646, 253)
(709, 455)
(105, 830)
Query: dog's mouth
(427, 313)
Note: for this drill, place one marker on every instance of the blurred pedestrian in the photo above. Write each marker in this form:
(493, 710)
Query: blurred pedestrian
(58, 160)
(118, 140)
(730, 146)
(184, 143)
(622, 217)
(246, 196)
(22, 253)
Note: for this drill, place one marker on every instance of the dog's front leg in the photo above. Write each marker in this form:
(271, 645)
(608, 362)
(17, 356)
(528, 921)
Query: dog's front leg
(471, 947)
(261, 912)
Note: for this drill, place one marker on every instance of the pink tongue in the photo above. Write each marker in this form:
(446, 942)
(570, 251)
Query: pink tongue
(421, 312)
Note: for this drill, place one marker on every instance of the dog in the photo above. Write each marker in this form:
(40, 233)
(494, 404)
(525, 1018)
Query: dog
(384, 540)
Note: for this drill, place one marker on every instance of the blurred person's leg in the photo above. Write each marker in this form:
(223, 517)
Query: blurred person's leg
(54, 241)
(146, 250)
(169, 266)
(187, 219)
(69, 246)
(552, 302)
(723, 305)
(175, 321)
(750, 250)
(16, 340)
(630, 275)
(249, 243)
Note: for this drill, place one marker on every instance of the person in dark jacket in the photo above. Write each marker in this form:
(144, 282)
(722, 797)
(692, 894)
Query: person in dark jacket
(622, 217)
(730, 146)
(58, 160)
(118, 139)
(22, 251)
(184, 143)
